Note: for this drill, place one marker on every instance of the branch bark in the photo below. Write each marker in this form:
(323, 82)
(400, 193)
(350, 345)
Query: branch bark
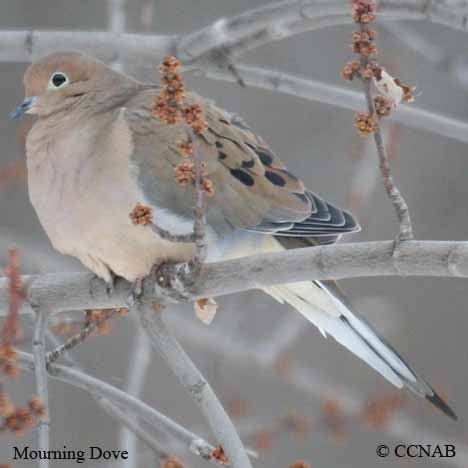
(140, 358)
(393, 192)
(280, 20)
(131, 426)
(313, 90)
(194, 383)
(245, 31)
(129, 423)
(40, 371)
(77, 291)
(143, 49)
(139, 409)
(311, 383)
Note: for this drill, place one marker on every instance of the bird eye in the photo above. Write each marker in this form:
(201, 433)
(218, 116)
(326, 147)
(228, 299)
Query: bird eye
(58, 80)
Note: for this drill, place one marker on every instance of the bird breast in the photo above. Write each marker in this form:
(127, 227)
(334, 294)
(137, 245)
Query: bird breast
(83, 191)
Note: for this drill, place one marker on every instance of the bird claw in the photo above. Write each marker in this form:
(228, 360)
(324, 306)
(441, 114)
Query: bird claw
(136, 292)
(110, 285)
(96, 282)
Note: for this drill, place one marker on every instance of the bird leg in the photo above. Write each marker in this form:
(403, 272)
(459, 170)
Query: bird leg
(136, 291)
(173, 280)
(96, 282)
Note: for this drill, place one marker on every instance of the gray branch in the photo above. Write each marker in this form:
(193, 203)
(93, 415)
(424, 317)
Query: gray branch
(78, 291)
(140, 358)
(393, 192)
(280, 20)
(311, 383)
(307, 88)
(133, 427)
(139, 409)
(40, 371)
(194, 383)
(239, 33)
(112, 410)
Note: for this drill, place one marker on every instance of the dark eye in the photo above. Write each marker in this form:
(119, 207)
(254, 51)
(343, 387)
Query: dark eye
(57, 80)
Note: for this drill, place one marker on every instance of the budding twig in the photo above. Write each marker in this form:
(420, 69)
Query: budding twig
(378, 107)
(93, 323)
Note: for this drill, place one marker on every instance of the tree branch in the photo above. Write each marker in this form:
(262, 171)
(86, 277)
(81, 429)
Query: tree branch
(40, 371)
(454, 65)
(313, 90)
(139, 409)
(245, 31)
(140, 358)
(199, 228)
(394, 194)
(75, 340)
(133, 428)
(115, 412)
(280, 20)
(311, 383)
(194, 383)
(77, 291)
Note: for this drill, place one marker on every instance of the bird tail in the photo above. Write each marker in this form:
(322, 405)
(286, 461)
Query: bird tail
(324, 305)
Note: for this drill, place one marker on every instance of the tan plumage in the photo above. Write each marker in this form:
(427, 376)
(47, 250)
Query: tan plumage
(95, 151)
(225, 150)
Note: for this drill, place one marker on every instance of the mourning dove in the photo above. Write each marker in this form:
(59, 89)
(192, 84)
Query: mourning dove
(95, 151)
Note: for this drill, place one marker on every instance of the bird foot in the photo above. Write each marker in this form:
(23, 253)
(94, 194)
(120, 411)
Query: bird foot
(171, 278)
(96, 282)
(136, 291)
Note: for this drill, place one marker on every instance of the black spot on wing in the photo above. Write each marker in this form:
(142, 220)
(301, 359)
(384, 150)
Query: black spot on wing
(242, 176)
(265, 157)
(222, 155)
(248, 164)
(275, 178)
(219, 144)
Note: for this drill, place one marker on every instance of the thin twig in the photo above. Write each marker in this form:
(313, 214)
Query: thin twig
(455, 65)
(89, 327)
(139, 409)
(132, 427)
(113, 410)
(194, 383)
(199, 223)
(40, 371)
(399, 203)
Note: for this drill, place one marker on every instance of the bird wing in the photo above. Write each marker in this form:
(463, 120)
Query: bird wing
(252, 189)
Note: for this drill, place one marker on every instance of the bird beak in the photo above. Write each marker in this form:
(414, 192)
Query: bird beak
(23, 108)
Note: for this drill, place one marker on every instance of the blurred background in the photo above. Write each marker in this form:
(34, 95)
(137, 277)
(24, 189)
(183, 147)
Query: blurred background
(292, 394)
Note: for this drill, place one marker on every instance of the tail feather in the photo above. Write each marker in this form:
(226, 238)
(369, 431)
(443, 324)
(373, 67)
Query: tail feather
(323, 305)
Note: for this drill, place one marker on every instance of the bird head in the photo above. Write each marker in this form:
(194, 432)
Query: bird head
(60, 80)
